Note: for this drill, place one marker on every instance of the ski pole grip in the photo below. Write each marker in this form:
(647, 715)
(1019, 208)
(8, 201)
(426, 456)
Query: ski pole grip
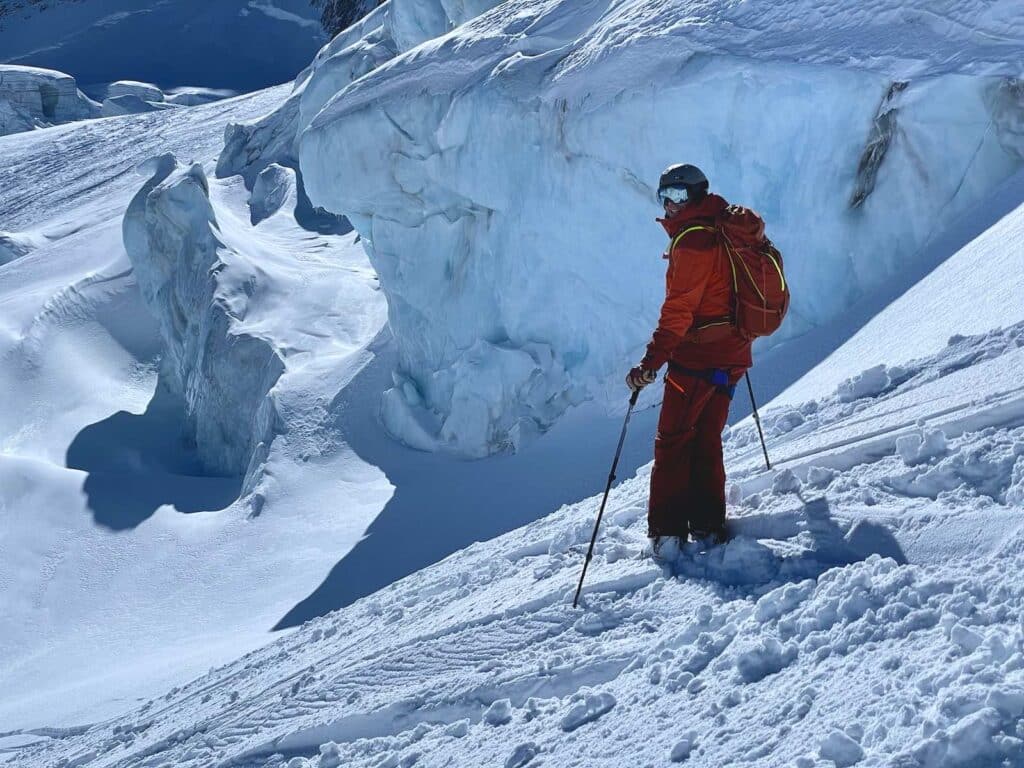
(633, 398)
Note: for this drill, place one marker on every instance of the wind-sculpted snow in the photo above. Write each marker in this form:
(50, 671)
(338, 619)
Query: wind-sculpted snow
(502, 177)
(852, 620)
(198, 290)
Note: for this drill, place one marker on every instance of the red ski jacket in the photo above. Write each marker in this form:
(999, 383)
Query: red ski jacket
(694, 330)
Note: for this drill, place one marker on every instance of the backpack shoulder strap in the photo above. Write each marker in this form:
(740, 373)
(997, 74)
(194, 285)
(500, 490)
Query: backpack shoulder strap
(688, 230)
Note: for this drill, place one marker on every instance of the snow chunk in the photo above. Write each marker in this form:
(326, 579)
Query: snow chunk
(499, 713)
(869, 383)
(330, 755)
(143, 91)
(767, 658)
(522, 755)
(841, 750)
(966, 638)
(682, 748)
(458, 729)
(1015, 491)
(592, 707)
(919, 447)
(786, 482)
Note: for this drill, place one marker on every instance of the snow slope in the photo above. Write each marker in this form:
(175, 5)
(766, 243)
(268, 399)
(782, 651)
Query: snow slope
(520, 150)
(867, 612)
(975, 290)
(129, 557)
(135, 553)
(237, 44)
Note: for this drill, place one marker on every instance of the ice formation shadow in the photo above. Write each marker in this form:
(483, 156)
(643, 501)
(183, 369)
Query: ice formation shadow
(441, 505)
(139, 462)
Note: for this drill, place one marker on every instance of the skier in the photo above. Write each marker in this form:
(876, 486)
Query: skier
(706, 355)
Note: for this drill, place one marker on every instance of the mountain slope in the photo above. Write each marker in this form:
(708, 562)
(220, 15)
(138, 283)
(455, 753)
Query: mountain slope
(241, 45)
(867, 611)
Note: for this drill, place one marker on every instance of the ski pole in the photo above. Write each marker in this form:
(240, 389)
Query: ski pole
(607, 490)
(757, 420)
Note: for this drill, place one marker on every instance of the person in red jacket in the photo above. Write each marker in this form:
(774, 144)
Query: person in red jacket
(706, 356)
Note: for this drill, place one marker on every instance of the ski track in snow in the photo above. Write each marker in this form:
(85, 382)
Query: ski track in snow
(868, 607)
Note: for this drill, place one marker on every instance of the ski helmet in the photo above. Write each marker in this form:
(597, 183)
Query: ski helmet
(682, 178)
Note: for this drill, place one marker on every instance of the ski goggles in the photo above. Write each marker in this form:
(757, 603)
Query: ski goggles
(677, 195)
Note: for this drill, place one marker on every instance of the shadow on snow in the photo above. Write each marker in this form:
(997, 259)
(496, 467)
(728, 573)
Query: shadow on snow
(139, 462)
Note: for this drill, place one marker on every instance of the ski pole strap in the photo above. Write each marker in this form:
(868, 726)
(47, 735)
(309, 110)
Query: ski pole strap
(717, 377)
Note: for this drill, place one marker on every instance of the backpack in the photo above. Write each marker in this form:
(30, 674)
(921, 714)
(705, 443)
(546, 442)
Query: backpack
(760, 291)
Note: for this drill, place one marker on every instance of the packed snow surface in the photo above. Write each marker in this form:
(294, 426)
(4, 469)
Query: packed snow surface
(190, 437)
(866, 612)
(510, 213)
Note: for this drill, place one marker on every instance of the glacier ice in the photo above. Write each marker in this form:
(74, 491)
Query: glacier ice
(394, 27)
(505, 187)
(31, 97)
(144, 91)
(130, 104)
(274, 190)
(198, 290)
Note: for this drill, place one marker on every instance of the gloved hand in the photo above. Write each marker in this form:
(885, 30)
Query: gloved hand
(639, 378)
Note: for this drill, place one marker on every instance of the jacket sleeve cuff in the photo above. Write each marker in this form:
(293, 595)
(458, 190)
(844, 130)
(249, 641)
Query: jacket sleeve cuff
(659, 350)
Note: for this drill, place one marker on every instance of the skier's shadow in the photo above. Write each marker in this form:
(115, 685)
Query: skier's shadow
(780, 547)
(863, 539)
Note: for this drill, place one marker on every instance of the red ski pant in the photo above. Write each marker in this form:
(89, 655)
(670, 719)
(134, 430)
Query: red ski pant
(688, 479)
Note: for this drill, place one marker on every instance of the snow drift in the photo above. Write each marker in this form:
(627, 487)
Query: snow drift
(198, 290)
(506, 169)
(31, 97)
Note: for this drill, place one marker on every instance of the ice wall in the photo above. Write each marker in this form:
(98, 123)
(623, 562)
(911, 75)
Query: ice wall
(31, 98)
(506, 180)
(394, 27)
(199, 290)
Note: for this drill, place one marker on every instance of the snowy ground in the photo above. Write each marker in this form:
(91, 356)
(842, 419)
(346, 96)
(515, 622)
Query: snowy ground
(868, 611)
